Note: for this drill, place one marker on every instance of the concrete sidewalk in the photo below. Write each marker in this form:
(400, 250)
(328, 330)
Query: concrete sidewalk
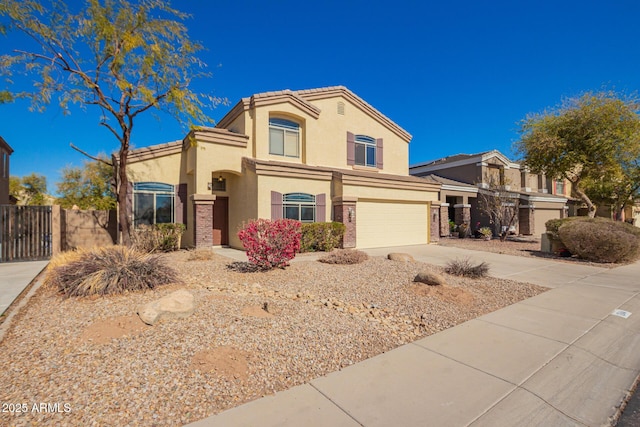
(561, 358)
(15, 277)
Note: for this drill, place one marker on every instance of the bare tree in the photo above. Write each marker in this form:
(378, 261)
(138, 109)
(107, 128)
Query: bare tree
(501, 206)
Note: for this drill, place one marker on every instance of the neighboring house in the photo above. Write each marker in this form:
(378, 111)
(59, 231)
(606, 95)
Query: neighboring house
(463, 176)
(311, 155)
(5, 153)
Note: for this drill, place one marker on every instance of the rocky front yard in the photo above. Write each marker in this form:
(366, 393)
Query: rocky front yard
(91, 360)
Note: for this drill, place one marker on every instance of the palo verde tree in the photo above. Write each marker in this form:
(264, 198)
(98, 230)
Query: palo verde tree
(88, 187)
(125, 58)
(586, 139)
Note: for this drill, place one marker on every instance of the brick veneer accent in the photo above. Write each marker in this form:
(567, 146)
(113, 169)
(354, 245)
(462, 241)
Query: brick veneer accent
(526, 220)
(203, 219)
(444, 220)
(434, 234)
(463, 214)
(341, 214)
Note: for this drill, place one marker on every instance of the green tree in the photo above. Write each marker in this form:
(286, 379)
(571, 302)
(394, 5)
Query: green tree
(586, 139)
(30, 190)
(87, 187)
(125, 58)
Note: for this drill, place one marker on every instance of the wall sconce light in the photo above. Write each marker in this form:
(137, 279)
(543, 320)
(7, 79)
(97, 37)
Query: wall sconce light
(350, 214)
(209, 186)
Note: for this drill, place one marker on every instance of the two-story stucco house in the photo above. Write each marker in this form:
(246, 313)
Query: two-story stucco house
(311, 155)
(463, 176)
(5, 153)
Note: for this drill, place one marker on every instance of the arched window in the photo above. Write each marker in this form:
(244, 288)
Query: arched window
(153, 203)
(284, 138)
(365, 150)
(299, 206)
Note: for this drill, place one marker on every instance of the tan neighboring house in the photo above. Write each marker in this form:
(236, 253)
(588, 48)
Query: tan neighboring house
(464, 176)
(311, 155)
(5, 153)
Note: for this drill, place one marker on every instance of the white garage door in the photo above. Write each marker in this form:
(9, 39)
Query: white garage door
(381, 224)
(540, 217)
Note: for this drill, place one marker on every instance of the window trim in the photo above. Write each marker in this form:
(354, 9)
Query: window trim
(155, 189)
(366, 142)
(290, 200)
(287, 127)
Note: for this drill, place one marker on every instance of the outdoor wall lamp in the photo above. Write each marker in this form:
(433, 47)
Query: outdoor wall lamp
(350, 214)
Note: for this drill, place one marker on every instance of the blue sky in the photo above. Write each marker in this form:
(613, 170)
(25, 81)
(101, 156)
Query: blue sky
(457, 75)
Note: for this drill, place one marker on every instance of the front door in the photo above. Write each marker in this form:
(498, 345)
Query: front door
(221, 221)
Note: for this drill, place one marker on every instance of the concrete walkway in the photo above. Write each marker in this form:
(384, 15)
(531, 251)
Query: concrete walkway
(562, 358)
(15, 277)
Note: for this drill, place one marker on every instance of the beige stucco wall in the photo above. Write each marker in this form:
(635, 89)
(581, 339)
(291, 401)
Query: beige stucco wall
(283, 185)
(324, 139)
(165, 169)
(214, 157)
(390, 194)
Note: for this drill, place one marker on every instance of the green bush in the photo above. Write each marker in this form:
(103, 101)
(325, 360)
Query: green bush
(344, 256)
(157, 237)
(553, 225)
(601, 239)
(109, 270)
(321, 236)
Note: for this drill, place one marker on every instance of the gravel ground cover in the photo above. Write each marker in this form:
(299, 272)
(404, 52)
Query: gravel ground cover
(90, 361)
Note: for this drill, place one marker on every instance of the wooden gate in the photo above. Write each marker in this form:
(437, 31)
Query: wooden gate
(25, 233)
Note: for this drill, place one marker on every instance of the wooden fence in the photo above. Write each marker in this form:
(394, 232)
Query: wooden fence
(25, 233)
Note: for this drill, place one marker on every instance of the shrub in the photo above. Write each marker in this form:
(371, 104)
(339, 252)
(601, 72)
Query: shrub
(344, 256)
(463, 267)
(269, 243)
(321, 236)
(157, 237)
(485, 232)
(553, 225)
(601, 239)
(109, 270)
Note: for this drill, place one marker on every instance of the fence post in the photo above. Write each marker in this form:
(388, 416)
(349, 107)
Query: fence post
(56, 230)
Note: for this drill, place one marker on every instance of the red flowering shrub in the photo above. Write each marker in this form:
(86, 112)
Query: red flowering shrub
(269, 243)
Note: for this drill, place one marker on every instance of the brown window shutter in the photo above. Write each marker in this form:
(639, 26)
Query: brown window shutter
(351, 149)
(276, 205)
(321, 204)
(379, 153)
(181, 204)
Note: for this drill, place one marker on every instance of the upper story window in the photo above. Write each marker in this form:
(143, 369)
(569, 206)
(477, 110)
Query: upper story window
(365, 150)
(560, 186)
(299, 206)
(153, 203)
(284, 138)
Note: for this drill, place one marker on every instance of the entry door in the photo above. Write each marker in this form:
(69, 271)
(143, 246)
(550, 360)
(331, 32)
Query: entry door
(221, 221)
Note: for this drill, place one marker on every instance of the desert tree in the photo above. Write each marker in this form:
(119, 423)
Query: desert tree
(500, 204)
(87, 187)
(586, 139)
(30, 190)
(123, 58)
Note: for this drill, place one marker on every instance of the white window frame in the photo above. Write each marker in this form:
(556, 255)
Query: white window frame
(299, 201)
(366, 143)
(147, 188)
(286, 128)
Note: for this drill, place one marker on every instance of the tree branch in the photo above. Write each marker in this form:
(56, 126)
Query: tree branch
(98, 159)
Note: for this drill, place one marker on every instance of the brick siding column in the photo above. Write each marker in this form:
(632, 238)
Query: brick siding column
(203, 219)
(344, 211)
(463, 214)
(444, 220)
(434, 234)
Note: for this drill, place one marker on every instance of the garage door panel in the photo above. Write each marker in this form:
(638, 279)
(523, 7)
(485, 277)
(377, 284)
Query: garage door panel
(391, 224)
(541, 216)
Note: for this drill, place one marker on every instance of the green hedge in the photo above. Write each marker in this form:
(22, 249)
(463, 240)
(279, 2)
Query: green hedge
(321, 236)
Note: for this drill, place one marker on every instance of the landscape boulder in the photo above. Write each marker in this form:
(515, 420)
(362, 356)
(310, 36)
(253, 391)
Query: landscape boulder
(430, 278)
(399, 256)
(178, 304)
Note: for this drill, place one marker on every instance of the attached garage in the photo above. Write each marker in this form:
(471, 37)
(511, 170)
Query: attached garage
(541, 216)
(391, 223)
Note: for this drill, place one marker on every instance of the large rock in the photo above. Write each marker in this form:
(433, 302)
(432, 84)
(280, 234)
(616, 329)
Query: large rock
(399, 256)
(430, 278)
(177, 304)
